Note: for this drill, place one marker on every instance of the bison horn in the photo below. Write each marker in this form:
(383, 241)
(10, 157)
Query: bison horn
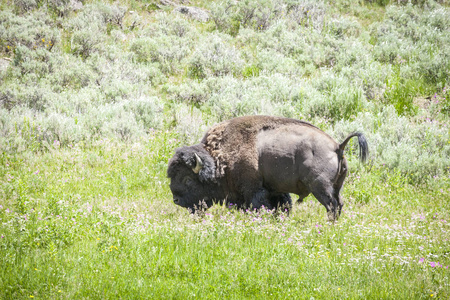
(199, 164)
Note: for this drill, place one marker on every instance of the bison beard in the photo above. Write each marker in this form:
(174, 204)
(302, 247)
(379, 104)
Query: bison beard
(256, 161)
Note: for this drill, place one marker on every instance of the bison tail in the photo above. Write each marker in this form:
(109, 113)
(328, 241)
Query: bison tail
(363, 147)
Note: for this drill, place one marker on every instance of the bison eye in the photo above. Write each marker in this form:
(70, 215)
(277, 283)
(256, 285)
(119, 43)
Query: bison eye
(187, 180)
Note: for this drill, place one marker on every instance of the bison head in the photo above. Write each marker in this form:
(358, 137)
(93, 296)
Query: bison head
(192, 178)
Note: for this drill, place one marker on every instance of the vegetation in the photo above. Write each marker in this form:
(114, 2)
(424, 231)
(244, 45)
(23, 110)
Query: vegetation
(95, 96)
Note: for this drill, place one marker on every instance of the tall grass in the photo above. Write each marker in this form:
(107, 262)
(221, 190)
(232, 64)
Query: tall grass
(98, 222)
(95, 96)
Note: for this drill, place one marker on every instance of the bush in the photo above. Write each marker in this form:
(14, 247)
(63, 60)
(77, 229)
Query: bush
(166, 51)
(60, 7)
(266, 94)
(370, 76)
(171, 24)
(25, 129)
(165, 43)
(191, 91)
(25, 5)
(214, 57)
(148, 111)
(29, 63)
(417, 37)
(86, 41)
(101, 15)
(33, 31)
(35, 97)
(91, 25)
(307, 13)
(189, 123)
(70, 72)
(230, 16)
(342, 27)
(116, 122)
(400, 92)
(273, 61)
(338, 98)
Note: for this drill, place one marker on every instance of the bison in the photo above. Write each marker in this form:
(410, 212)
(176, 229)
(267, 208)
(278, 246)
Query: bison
(256, 161)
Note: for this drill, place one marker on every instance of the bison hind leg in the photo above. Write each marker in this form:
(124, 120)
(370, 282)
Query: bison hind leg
(329, 199)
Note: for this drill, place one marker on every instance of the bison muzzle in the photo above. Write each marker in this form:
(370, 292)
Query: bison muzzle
(256, 161)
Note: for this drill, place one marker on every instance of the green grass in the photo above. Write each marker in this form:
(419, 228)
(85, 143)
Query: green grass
(88, 124)
(97, 222)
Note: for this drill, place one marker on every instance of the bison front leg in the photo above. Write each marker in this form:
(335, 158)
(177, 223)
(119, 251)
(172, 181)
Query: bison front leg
(282, 201)
(258, 199)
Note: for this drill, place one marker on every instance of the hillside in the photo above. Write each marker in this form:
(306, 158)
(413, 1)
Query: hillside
(96, 95)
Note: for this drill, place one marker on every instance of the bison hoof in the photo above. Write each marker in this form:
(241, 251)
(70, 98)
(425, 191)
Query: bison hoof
(332, 216)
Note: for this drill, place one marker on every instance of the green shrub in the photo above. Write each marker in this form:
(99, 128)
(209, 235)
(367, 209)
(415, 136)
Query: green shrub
(25, 5)
(86, 41)
(266, 94)
(214, 57)
(271, 61)
(171, 24)
(35, 30)
(337, 99)
(31, 64)
(307, 13)
(36, 97)
(400, 92)
(230, 16)
(343, 27)
(251, 71)
(60, 7)
(279, 49)
(166, 51)
(99, 15)
(191, 91)
(165, 43)
(24, 129)
(91, 25)
(446, 101)
(369, 75)
(70, 72)
(380, 2)
(417, 37)
(148, 111)
(189, 123)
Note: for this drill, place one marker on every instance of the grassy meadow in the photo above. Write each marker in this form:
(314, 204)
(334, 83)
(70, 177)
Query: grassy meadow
(96, 95)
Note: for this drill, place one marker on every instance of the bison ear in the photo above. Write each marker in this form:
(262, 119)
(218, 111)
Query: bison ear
(198, 164)
(197, 159)
(204, 166)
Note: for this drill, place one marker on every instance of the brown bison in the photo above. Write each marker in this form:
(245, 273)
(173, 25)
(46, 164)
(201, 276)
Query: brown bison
(256, 161)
